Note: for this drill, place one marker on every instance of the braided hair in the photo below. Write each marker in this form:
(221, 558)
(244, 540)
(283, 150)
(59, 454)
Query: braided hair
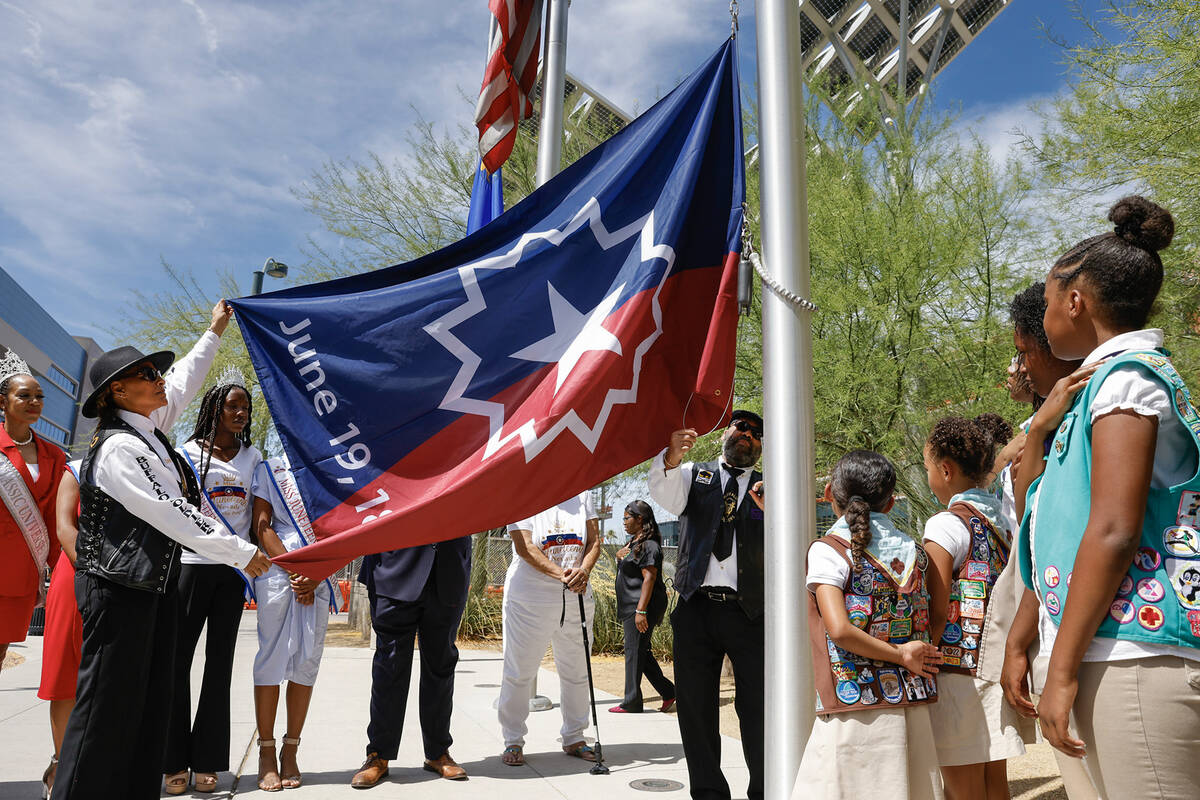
(208, 422)
(861, 482)
(1123, 266)
(641, 509)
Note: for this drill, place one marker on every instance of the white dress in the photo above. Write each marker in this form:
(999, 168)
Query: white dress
(291, 637)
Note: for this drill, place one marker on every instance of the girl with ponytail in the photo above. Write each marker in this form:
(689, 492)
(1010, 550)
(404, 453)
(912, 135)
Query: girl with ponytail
(974, 729)
(873, 664)
(1109, 541)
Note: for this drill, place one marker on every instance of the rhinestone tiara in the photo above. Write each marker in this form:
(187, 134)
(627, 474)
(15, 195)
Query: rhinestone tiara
(232, 376)
(12, 364)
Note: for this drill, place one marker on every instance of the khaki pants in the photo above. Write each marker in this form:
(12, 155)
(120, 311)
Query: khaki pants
(1140, 720)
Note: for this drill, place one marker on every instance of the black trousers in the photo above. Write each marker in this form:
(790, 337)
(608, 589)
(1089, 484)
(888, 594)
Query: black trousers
(639, 661)
(211, 594)
(396, 624)
(705, 632)
(114, 740)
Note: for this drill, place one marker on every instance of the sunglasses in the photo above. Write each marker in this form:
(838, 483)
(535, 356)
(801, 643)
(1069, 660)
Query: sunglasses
(145, 372)
(745, 427)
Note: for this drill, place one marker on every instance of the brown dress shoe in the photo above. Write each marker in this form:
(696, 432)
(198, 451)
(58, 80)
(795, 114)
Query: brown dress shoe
(373, 770)
(444, 765)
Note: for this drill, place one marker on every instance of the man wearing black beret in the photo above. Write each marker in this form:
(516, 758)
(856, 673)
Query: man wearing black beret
(719, 577)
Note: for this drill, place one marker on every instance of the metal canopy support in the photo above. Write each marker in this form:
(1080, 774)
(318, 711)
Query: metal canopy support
(858, 31)
(787, 393)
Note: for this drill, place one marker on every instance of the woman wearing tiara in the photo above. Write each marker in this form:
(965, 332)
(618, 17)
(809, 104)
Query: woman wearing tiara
(293, 613)
(30, 469)
(220, 453)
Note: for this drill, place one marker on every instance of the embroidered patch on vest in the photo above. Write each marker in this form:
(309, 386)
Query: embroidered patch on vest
(1051, 576)
(868, 696)
(889, 684)
(1052, 604)
(971, 625)
(952, 634)
(1122, 611)
(1147, 559)
(978, 570)
(1126, 587)
(1189, 509)
(971, 608)
(1150, 589)
(1151, 618)
(704, 476)
(1181, 541)
(1194, 621)
(1185, 580)
(848, 692)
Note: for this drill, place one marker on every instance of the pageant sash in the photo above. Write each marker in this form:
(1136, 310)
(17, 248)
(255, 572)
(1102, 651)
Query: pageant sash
(289, 493)
(210, 509)
(24, 510)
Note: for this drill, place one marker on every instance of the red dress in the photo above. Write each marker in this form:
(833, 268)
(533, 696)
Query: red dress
(62, 644)
(18, 572)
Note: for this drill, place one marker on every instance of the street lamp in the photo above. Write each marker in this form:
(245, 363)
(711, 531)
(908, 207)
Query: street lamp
(276, 269)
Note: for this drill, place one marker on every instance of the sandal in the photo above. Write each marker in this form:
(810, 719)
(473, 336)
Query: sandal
(272, 768)
(177, 783)
(205, 781)
(291, 781)
(580, 750)
(513, 755)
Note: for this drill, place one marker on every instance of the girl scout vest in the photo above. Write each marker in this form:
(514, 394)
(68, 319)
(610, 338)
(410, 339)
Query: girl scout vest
(1158, 601)
(967, 616)
(877, 604)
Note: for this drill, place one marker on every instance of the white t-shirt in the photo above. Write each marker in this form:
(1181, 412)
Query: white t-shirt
(826, 566)
(950, 534)
(1174, 462)
(229, 486)
(561, 533)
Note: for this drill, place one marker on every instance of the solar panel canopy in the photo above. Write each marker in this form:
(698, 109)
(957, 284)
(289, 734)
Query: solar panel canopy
(851, 45)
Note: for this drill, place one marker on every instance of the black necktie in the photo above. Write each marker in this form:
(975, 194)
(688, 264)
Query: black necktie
(723, 546)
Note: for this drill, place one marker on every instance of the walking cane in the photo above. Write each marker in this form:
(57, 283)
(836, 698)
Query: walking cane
(598, 768)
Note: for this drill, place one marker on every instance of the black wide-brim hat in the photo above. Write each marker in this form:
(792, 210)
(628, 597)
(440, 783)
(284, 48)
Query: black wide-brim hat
(112, 364)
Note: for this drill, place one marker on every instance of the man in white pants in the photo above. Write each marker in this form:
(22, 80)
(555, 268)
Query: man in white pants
(553, 555)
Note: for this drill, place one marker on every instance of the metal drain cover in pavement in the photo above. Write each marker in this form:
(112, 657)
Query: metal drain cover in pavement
(656, 785)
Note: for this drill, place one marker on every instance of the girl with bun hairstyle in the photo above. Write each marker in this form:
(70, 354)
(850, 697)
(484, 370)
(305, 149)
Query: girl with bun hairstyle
(974, 729)
(873, 665)
(1111, 526)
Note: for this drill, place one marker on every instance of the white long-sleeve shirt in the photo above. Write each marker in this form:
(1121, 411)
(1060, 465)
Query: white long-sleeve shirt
(138, 473)
(669, 488)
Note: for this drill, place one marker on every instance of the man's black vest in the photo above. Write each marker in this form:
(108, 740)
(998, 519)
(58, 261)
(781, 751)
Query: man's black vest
(113, 543)
(698, 530)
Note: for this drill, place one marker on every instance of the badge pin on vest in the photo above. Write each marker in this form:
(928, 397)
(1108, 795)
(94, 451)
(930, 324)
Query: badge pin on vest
(1182, 541)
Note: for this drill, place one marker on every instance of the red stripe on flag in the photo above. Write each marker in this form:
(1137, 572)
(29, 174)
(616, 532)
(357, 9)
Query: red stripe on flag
(512, 64)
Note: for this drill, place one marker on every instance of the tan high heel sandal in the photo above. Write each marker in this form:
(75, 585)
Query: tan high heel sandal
(276, 787)
(291, 781)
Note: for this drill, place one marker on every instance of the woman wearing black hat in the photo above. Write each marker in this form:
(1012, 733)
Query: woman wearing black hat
(139, 505)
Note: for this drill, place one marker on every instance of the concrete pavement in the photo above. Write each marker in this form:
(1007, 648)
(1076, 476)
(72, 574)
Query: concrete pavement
(636, 746)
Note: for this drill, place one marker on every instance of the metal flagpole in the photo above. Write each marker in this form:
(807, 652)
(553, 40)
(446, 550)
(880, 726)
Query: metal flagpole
(787, 392)
(550, 131)
(554, 77)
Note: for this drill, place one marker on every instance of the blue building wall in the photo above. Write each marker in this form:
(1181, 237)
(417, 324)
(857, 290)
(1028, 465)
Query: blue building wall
(57, 359)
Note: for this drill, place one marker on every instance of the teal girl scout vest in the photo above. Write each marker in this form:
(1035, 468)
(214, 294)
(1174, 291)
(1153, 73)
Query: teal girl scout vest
(879, 605)
(1159, 600)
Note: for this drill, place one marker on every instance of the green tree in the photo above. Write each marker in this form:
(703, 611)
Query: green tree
(1129, 121)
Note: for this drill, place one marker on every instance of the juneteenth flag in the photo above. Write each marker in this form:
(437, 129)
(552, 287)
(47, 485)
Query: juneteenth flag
(528, 362)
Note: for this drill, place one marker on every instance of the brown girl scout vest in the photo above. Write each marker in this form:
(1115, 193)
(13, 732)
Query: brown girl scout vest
(963, 640)
(896, 614)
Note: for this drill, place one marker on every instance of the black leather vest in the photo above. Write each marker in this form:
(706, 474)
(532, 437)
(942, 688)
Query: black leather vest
(113, 543)
(698, 531)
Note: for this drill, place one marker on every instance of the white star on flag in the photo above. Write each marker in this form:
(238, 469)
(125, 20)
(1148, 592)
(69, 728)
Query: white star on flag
(575, 333)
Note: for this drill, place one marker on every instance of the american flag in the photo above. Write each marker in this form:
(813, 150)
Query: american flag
(508, 80)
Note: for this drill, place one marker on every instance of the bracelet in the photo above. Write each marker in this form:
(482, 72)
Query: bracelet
(639, 611)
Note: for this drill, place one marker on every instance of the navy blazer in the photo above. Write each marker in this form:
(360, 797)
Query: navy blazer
(402, 574)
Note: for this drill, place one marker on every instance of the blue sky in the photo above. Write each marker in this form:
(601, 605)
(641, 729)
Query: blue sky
(175, 129)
